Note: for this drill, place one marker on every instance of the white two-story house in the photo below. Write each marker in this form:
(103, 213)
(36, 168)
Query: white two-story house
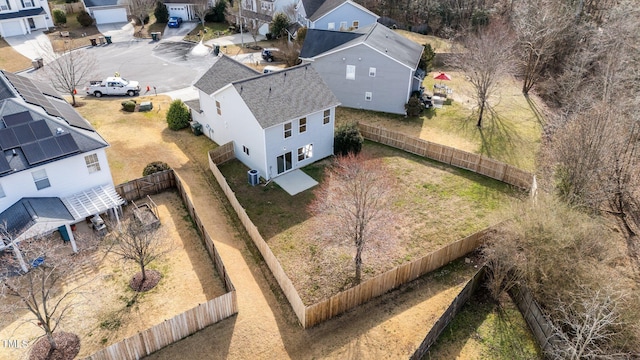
(53, 166)
(20, 17)
(277, 122)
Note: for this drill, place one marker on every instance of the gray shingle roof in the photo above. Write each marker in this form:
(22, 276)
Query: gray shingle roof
(280, 96)
(12, 104)
(311, 6)
(28, 211)
(318, 41)
(224, 71)
(325, 8)
(93, 3)
(377, 36)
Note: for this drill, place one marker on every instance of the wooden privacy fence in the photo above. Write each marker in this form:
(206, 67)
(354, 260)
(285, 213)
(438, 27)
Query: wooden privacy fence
(533, 315)
(454, 308)
(223, 153)
(148, 185)
(272, 262)
(448, 155)
(190, 321)
(346, 300)
(392, 279)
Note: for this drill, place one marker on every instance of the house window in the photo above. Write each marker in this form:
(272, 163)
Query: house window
(218, 107)
(27, 4)
(245, 150)
(287, 130)
(327, 117)
(343, 25)
(5, 5)
(368, 96)
(93, 165)
(267, 6)
(40, 179)
(351, 72)
(355, 24)
(2, 194)
(331, 26)
(305, 152)
(372, 72)
(303, 125)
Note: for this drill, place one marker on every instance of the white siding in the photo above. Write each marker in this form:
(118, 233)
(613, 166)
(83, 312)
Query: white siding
(67, 176)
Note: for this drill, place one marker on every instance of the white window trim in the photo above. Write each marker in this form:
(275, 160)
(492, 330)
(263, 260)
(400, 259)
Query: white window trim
(331, 26)
(305, 152)
(343, 26)
(351, 75)
(372, 72)
(287, 132)
(326, 117)
(218, 108)
(40, 176)
(353, 24)
(93, 164)
(368, 96)
(302, 127)
(245, 150)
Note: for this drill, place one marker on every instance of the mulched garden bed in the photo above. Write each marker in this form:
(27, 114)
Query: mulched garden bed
(153, 278)
(68, 347)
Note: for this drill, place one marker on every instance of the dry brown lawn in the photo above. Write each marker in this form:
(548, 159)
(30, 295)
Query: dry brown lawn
(12, 60)
(107, 310)
(78, 35)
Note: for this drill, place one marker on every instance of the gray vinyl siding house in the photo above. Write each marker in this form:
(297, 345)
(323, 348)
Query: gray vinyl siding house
(334, 15)
(373, 68)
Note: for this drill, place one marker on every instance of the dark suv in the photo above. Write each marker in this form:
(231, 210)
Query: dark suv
(267, 54)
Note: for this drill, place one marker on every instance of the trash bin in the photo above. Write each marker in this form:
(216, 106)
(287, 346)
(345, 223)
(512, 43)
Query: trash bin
(40, 62)
(93, 42)
(154, 36)
(101, 40)
(36, 63)
(216, 50)
(108, 39)
(145, 106)
(196, 127)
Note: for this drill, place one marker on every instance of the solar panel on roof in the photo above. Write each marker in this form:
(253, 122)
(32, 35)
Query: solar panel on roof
(40, 129)
(8, 139)
(67, 143)
(71, 116)
(17, 118)
(33, 153)
(51, 148)
(24, 134)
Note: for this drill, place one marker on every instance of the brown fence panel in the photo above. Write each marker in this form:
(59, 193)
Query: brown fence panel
(533, 315)
(222, 154)
(69, 8)
(148, 185)
(448, 155)
(270, 259)
(454, 308)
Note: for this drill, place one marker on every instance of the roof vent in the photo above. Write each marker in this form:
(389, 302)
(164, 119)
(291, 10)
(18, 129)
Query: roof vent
(14, 152)
(59, 131)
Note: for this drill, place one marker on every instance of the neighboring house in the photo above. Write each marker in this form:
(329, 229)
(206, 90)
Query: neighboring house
(53, 169)
(342, 15)
(20, 17)
(107, 11)
(184, 9)
(263, 11)
(371, 68)
(277, 122)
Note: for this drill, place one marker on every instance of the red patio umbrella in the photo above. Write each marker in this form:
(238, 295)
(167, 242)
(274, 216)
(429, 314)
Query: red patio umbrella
(442, 76)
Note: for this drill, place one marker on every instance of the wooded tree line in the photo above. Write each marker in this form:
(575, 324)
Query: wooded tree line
(577, 246)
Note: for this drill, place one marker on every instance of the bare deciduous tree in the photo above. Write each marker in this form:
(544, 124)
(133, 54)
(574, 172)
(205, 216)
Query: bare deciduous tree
(67, 70)
(584, 327)
(201, 9)
(139, 244)
(253, 26)
(41, 291)
(540, 27)
(485, 59)
(354, 201)
(141, 9)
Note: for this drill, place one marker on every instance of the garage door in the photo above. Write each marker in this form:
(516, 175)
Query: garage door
(179, 11)
(12, 28)
(109, 16)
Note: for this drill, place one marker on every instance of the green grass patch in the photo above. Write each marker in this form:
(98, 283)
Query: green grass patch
(211, 30)
(483, 330)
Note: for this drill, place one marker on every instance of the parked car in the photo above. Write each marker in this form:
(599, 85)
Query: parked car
(174, 22)
(268, 54)
(113, 86)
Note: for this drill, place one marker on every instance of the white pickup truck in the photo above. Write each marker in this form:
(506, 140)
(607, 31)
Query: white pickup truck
(113, 86)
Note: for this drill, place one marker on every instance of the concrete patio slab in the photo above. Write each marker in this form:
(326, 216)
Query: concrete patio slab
(295, 182)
